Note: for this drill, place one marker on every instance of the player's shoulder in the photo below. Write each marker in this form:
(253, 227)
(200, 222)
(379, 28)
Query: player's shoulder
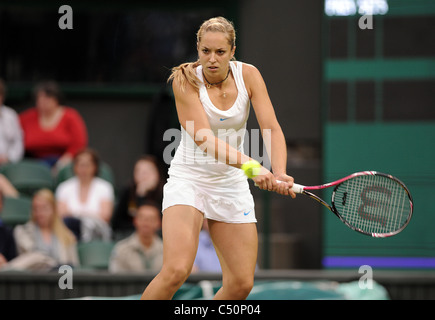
(251, 76)
(250, 71)
(247, 67)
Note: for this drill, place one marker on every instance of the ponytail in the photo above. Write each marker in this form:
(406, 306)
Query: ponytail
(185, 72)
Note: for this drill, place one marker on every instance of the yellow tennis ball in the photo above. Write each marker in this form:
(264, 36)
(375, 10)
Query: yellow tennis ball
(251, 168)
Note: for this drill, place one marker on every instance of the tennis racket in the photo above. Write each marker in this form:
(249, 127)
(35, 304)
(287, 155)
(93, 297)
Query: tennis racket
(369, 202)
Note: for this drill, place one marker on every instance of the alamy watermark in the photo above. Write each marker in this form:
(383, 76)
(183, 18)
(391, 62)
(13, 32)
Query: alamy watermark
(66, 20)
(366, 22)
(251, 139)
(66, 280)
(366, 280)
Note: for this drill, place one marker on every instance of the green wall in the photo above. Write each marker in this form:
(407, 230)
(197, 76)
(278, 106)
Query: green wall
(406, 151)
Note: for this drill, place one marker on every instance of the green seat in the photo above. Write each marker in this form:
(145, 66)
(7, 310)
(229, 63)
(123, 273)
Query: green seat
(16, 211)
(28, 176)
(105, 172)
(95, 254)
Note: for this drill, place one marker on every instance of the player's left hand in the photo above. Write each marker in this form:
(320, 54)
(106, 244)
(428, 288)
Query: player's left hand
(285, 186)
(265, 180)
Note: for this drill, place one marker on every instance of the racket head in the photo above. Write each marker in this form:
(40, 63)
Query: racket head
(373, 203)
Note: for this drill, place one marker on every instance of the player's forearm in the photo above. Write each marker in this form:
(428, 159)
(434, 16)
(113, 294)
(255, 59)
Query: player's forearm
(219, 149)
(276, 148)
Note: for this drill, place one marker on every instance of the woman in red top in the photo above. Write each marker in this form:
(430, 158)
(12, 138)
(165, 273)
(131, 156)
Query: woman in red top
(52, 132)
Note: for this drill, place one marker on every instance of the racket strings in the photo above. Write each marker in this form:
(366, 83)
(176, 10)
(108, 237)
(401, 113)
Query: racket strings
(373, 203)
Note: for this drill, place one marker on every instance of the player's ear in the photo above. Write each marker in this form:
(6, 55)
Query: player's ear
(233, 51)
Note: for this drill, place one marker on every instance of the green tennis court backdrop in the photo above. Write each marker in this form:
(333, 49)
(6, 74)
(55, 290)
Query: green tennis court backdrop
(406, 151)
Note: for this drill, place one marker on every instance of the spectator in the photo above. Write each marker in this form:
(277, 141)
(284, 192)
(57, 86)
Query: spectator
(147, 185)
(143, 250)
(8, 249)
(44, 242)
(11, 136)
(52, 132)
(206, 258)
(85, 200)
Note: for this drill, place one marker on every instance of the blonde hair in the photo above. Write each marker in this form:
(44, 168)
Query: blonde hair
(186, 71)
(65, 236)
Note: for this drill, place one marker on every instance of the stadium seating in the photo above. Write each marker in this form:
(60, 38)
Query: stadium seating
(16, 211)
(28, 176)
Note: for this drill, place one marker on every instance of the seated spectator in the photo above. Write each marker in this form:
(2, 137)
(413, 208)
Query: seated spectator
(85, 200)
(52, 132)
(147, 185)
(44, 242)
(8, 249)
(11, 136)
(7, 188)
(206, 258)
(143, 250)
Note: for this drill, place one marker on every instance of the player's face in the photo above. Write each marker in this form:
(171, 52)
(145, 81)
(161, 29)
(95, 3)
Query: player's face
(215, 53)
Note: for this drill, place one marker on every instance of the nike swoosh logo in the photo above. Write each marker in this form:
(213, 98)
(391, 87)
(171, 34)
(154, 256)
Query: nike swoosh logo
(246, 213)
(223, 119)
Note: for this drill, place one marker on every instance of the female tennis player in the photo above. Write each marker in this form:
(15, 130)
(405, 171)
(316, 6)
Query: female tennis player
(212, 98)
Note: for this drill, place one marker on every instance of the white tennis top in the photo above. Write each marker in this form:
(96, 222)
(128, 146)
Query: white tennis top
(190, 162)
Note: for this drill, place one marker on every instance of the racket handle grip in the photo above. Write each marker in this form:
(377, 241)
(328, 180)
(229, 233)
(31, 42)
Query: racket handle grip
(297, 188)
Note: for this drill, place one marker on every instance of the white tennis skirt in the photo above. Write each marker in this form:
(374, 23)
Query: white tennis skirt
(233, 204)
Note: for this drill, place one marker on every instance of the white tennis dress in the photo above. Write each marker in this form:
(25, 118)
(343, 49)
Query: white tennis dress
(220, 191)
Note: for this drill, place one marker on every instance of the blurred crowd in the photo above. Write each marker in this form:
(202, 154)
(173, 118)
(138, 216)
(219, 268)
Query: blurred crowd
(82, 208)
